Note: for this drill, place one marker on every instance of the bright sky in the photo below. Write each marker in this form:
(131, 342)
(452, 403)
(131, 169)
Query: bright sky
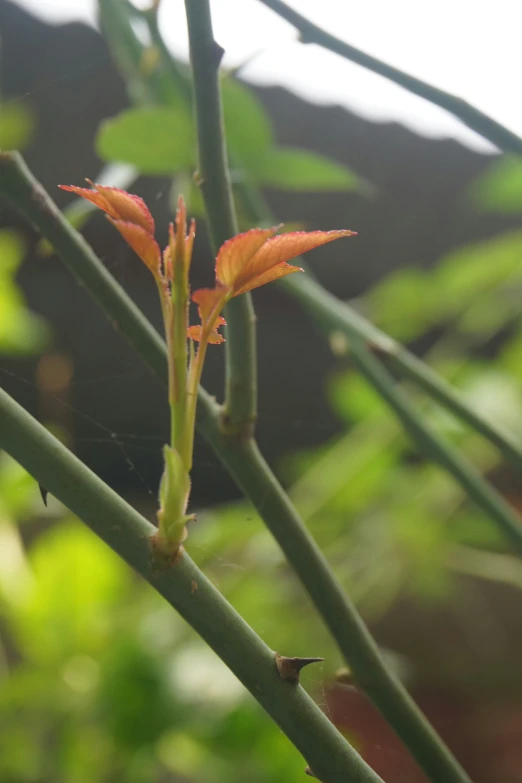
(469, 47)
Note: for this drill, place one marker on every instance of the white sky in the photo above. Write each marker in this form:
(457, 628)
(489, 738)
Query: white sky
(469, 47)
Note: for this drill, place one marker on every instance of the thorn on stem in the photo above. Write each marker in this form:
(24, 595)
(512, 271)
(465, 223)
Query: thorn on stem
(309, 772)
(43, 494)
(218, 54)
(290, 668)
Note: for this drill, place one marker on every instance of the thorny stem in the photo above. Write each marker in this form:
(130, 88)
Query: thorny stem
(187, 589)
(246, 465)
(449, 458)
(214, 179)
(333, 315)
(475, 119)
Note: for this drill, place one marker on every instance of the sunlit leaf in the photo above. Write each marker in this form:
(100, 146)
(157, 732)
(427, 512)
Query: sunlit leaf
(16, 126)
(499, 188)
(21, 332)
(406, 303)
(77, 580)
(156, 140)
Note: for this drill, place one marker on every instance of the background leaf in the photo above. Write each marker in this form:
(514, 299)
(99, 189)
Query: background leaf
(21, 332)
(290, 168)
(247, 125)
(157, 140)
(16, 126)
(499, 189)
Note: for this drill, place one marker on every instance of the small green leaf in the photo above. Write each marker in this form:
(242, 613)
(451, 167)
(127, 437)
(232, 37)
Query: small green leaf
(16, 126)
(499, 189)
(247, 124)
(289, 168)
(157, 140)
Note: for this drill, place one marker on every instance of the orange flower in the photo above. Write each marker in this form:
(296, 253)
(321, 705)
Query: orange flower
(130, 215)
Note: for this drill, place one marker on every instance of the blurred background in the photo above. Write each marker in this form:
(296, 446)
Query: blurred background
(100, 681)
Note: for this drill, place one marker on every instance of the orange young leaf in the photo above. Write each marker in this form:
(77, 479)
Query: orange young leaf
(210, 302)
(235, 253)
(257, 257)
(118, 204)
(143, 244)
(195, 333)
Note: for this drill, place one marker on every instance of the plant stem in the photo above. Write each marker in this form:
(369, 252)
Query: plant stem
(246, 465)
(334, 315)
(371, 673)
(187, 589)
(481, 123)
(250, 471)
(449, 458)
(214, 180)
(179, 357)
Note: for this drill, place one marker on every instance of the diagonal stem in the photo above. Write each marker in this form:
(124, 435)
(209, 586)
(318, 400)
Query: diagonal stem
(214, 180)
(187, 589)
(243, 461)
(475, 119)
(332, 314)
(429, 441)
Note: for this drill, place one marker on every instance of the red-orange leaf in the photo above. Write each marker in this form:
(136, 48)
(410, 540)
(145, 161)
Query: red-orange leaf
(209, 300)
(143, 244)
(257, 257)
(235, 254)
(281, 270)
(195, 332)
(269, 262)
(119, 204)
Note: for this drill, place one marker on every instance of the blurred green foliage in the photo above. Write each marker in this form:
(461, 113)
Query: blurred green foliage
(21, 332)
(16, 126)
(499, 188)
(100, 680)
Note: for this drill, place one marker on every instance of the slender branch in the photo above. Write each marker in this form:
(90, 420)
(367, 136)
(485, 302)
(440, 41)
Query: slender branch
(449, 458)
(319, 301)
(250, 471)
(335, 315)
(187, 589)
(214, 179)
(475, 119)
(371, 673)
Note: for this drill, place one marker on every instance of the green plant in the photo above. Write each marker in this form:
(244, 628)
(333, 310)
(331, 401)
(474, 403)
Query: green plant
(229, 429)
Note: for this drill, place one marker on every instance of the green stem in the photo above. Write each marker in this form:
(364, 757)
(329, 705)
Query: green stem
(449, 458)
(187, 589)
(214, 179)
(334, 315)
(371, 673)
(180, 299)
(481, 123)
(18, 185)
(194, 379)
